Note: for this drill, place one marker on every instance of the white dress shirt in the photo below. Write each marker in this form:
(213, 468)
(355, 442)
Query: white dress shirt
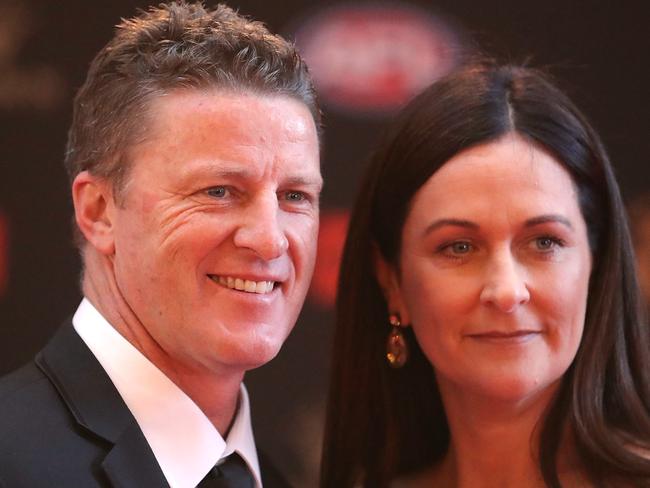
(183, 440)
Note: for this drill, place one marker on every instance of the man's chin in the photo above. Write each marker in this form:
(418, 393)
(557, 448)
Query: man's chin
(250, 355)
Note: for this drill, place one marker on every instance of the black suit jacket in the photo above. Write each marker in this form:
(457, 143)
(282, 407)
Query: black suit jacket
(63, 424)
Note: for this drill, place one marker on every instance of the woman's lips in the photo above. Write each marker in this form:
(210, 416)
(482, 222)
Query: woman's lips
(505, 336)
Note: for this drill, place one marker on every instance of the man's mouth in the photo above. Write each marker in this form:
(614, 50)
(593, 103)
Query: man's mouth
(249, 286)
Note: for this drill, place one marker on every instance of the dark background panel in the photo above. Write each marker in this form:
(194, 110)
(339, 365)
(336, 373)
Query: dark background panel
(597, 49)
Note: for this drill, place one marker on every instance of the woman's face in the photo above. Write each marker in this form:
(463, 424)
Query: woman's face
(495, 267)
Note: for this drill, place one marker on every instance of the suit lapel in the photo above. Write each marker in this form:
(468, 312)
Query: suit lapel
(97, 406)
(125, 463)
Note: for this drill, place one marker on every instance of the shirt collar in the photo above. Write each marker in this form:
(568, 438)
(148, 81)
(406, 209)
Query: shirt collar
(183, 440)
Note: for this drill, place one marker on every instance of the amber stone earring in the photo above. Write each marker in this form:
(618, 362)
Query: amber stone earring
(397, 351)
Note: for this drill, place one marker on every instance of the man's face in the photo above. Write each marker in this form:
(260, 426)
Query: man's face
(216, 235)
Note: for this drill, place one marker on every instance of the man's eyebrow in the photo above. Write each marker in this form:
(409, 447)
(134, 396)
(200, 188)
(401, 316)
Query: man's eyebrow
(306, 180)
(222, 171)
(549, 218)
(435, 225)
(241, 172)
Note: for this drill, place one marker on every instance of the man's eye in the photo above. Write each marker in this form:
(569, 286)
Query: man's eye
(217, 191)
(295, 196)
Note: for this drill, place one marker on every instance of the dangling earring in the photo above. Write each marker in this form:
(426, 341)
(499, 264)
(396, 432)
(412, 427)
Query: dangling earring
(397, 351)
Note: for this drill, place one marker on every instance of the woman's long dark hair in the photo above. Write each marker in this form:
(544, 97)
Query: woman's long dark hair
(384, 423)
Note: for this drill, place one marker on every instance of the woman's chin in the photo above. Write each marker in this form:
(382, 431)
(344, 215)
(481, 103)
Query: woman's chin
(515, 390)
(521, 391)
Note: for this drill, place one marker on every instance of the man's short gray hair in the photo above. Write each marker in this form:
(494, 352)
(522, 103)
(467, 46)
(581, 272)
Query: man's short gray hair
(176, 45)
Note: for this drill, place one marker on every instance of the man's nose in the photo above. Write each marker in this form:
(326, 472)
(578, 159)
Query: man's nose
(505, 284)
(260, 229)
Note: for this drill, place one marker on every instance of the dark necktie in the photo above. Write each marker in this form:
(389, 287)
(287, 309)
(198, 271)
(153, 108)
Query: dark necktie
(232, 473)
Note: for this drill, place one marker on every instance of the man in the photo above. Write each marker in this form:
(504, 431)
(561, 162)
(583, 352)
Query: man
(194, 163)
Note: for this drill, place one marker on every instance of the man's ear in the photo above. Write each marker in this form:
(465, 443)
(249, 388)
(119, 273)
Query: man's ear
(94, 211)
(388, 281)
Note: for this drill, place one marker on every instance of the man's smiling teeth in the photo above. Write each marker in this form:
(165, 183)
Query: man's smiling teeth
(249, 286)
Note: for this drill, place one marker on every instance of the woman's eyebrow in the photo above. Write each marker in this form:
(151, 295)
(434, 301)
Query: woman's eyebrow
(468, 224)
(436, 224)
(550, 218)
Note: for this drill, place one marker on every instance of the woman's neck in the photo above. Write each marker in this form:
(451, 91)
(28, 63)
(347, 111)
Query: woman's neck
(494, 442)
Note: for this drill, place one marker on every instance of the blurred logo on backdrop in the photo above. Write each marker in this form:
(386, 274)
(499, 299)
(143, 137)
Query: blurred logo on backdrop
(37, 86)
(371, 58)
(4, 253)
(331, 236)
(368, 59)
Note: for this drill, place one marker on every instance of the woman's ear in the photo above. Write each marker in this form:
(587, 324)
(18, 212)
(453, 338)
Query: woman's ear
(387, 278)
(94, 211)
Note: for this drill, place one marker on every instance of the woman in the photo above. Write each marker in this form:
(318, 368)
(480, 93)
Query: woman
(489, 257)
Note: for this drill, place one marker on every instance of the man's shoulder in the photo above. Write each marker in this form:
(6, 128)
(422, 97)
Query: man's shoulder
(41, 444)
(21, 382)
(30, 409)
(24, 394)
(29, 402)
(19, 379)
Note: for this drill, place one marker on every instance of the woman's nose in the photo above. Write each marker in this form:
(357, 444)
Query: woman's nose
(505, 284)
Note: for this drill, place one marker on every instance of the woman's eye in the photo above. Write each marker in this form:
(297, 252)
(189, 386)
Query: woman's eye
(217, 191)
(546, 243)
(460, 247)
(455, 249)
